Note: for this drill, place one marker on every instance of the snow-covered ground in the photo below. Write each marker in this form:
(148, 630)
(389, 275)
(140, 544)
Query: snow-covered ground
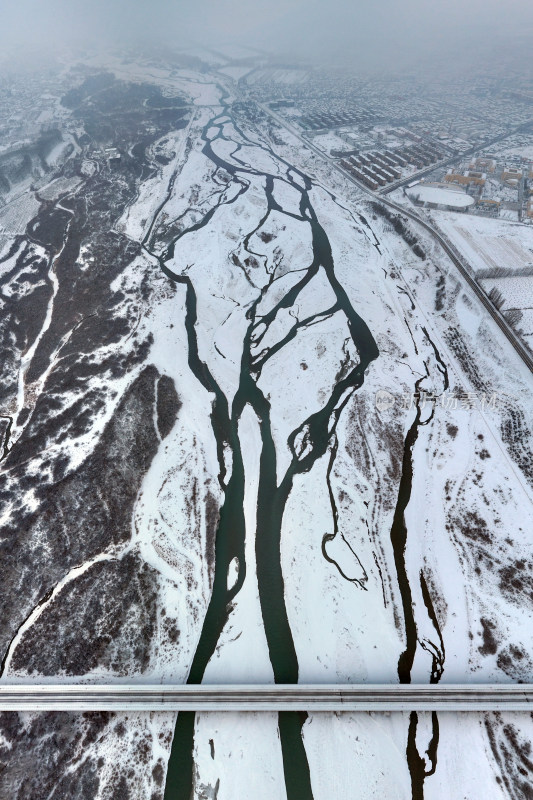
(445, 197)
(517, 292)
(329, 141)
(488, 243)
(220, 491)
(14, 216)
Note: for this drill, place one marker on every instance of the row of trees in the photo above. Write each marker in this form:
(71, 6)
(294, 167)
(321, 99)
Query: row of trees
(399, 225)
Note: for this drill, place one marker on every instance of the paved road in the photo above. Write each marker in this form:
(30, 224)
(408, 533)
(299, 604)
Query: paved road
(500, 321)
(390, 697)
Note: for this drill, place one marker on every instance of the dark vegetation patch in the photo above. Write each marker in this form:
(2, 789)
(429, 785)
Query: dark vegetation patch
(252, 262)
(516, 663)
(440, 293)
(519, 441)
(82, 307)
(157, 100)
(511, 748)
(158, 773)
(516, 581)
(472, 526)
(490, 643)
(212, 513)
(65, 756)
(22, 317)
(105, 617)
(82, 514)
(121, 790)
(463, 353)
(40, 755)
(171, 630)
(91, 85)
(400, 225)
(50, 227)
(168, 405)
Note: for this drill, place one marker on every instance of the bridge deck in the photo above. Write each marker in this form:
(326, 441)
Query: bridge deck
(393, 697)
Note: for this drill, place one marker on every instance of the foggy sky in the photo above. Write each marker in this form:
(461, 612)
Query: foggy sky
(377, 32)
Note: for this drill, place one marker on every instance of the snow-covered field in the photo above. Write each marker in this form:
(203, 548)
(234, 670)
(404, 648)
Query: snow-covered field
(517, 292)
(369, 751)
(445, 197)
(329, 141)
(517, 295)
(488, 243)
(15, 215)
(203, 482)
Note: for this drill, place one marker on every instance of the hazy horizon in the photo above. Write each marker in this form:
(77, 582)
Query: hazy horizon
(386, 37)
